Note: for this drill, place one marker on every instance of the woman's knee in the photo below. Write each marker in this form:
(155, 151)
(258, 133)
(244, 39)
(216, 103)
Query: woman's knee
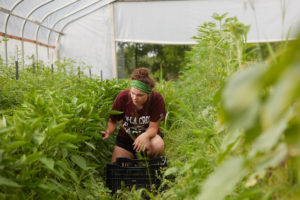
(120, 152)
(156, 147)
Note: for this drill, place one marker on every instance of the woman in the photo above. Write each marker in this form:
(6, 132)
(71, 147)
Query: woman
(142, 110)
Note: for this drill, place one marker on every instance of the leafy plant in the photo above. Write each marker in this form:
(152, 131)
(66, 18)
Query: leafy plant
(51, 146)
(265, 125)
(190, 131)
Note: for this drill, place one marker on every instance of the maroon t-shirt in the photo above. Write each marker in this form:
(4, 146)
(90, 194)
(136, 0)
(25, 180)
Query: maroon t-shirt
(134, 121)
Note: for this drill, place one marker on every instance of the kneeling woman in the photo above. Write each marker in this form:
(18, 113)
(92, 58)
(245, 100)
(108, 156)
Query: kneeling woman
(142, 110)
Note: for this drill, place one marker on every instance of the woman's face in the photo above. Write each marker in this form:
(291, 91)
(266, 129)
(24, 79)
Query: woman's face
(138, 97)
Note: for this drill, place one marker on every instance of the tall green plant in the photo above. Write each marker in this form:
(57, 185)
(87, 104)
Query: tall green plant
(261, 119)
(191, 134)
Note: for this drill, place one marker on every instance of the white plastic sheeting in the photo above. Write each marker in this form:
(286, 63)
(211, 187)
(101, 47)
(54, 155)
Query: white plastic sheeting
(86, 30)
(176, 22)
(35, 26)
(93, 45)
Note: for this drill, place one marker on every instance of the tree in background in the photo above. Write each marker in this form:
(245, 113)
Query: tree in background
(168, 58)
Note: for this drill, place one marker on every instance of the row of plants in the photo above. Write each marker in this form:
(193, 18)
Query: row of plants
(50, 141)
(235, 134)
(218, 54)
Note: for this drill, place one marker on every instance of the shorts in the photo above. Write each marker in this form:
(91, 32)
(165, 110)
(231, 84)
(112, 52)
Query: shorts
(127, 145)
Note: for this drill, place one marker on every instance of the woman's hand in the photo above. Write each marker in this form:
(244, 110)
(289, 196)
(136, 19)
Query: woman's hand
(141, 142)
(105, 135)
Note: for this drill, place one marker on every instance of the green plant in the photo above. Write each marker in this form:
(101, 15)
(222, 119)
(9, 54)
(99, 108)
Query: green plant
(51, 145)
(191, 139)
(262, 130)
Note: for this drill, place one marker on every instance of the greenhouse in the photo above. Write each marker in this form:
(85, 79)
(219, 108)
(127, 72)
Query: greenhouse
(226, 73)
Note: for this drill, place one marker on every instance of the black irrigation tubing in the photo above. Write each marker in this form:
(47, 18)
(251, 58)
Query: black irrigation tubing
(33, 67)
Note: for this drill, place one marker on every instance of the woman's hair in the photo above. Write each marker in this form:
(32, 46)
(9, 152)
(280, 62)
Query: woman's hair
(143, 74)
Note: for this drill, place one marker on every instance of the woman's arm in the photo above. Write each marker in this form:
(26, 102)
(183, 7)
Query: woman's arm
(111, 126)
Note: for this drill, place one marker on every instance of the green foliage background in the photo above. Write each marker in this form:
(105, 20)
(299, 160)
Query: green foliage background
(166, 58)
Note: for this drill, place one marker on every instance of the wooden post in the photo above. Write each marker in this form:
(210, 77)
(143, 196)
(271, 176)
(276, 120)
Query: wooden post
(17, 70)
(113, 42)
(33, 64)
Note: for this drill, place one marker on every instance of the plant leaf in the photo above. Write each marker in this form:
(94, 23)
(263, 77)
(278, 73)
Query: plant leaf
(270, 137)
(65, 137)
(8, 182)
(80, 161)
(49, 162)
(286, 91)
(56, 129)
(33, 157)
(38, 137)
(271, 159)
(90, 145)
(223, 180)
(6, 130)
(115, 112)
(3, 122)
(15, 145)
(169, 171)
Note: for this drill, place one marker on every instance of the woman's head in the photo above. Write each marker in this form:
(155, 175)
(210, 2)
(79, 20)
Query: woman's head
(143, 75)
(141, 85)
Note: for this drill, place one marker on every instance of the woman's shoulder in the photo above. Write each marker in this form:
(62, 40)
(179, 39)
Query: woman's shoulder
(156, 95)
(123, 94)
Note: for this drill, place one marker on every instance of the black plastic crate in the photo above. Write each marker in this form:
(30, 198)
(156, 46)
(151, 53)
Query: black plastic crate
(141, 173)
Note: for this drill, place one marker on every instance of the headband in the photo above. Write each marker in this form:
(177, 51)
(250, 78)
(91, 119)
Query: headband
(141, 86)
